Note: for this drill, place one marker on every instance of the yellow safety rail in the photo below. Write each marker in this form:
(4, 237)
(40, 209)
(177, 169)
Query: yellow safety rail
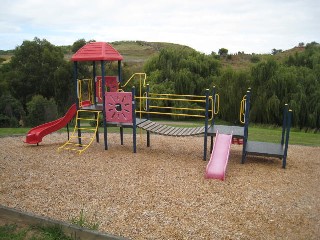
(177, 98)
(89, 90)
(243, 109)
(73, 142)
(142, 77)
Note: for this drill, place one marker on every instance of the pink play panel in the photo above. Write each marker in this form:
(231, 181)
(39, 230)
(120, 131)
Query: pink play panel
(119, 107)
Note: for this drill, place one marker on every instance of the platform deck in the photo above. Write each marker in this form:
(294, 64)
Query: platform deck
(223, 129)
(265, 149)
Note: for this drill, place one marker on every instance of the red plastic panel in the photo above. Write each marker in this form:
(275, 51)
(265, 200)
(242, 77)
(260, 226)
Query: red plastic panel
(111, 84)
(119, 107)
(97, 51)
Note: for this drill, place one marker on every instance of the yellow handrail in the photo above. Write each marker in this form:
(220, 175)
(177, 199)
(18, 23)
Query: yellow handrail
(176, 95)
(178, 108)
(172, 114)
(177, 98)
(141, 75)
(142, 83)
(172, 99)
(216, 102)
(242, 109)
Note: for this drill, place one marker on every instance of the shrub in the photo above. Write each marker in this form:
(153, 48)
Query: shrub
(11, 111)
(6, 121)
(255, 59)
(41, 110)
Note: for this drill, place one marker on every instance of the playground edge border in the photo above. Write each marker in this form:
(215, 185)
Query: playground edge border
(15, 216)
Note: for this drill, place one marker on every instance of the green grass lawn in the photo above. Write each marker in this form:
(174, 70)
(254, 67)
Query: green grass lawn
(256, 133)
(265, 134)
(13, 232)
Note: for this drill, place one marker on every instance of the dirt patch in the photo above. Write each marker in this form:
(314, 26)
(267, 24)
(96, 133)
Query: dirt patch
(160, 192)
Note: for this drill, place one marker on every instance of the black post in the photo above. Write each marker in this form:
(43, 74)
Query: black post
(284, 122)
(119, 71)
(75, 75)
(289, 116)
(214, 104)
(121, 135)
(212, 121)
(246, 125)
(68, 131)
(205, 145)
(134, 127)
(95, 97)
(94, 83)
(148, 115)
(103, 89)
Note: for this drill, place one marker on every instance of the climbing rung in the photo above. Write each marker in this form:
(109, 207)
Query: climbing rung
(74, 135)
(82, 137)
(77, 144)
(87, 119)
(72, 149)
(83, 128)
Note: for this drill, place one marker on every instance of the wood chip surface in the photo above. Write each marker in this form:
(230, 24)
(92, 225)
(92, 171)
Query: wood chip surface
(160, 192)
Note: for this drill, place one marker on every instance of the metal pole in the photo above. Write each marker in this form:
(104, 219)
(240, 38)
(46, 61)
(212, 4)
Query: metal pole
(121, 135)
(214, 104)
(212, 121)
(94, 83)
(68, 131)
(119, 71)
(75, 76)
(103, 89)
(246, 125)
(134, 130)
(289, 116)
(206, 126)
(284, 122)
(148, 115)
(94, 96)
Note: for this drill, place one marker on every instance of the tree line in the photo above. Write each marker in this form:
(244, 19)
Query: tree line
(294, 80)
(37, 84)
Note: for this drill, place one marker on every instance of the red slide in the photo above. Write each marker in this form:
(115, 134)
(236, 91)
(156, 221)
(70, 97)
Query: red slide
(36, 134)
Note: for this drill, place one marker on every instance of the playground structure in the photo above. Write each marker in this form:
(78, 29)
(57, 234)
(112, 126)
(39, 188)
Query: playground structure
(104, 96)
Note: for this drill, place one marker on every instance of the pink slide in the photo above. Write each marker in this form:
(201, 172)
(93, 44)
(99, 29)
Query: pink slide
(217, 165)
(36, 134)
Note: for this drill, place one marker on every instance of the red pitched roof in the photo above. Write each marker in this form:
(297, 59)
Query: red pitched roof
(97, 51)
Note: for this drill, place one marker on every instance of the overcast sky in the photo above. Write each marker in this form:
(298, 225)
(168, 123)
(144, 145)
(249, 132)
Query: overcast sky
(252, 26)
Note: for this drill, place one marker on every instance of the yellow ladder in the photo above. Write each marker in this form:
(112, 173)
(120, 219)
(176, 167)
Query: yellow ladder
(85, 141)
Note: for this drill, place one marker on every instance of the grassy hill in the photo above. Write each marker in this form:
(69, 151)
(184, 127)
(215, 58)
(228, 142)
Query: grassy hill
(244, 61)
(136, 53)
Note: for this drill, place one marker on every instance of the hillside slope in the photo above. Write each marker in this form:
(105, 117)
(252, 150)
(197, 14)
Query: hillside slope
(136, 53)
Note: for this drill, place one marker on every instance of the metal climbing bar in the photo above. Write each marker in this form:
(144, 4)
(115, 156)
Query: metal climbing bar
(81, 143)
(141, 76)
(242, 109)
(178, 95)
(182, 111)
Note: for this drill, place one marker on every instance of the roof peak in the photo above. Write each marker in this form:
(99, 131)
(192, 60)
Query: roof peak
(97, 51)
